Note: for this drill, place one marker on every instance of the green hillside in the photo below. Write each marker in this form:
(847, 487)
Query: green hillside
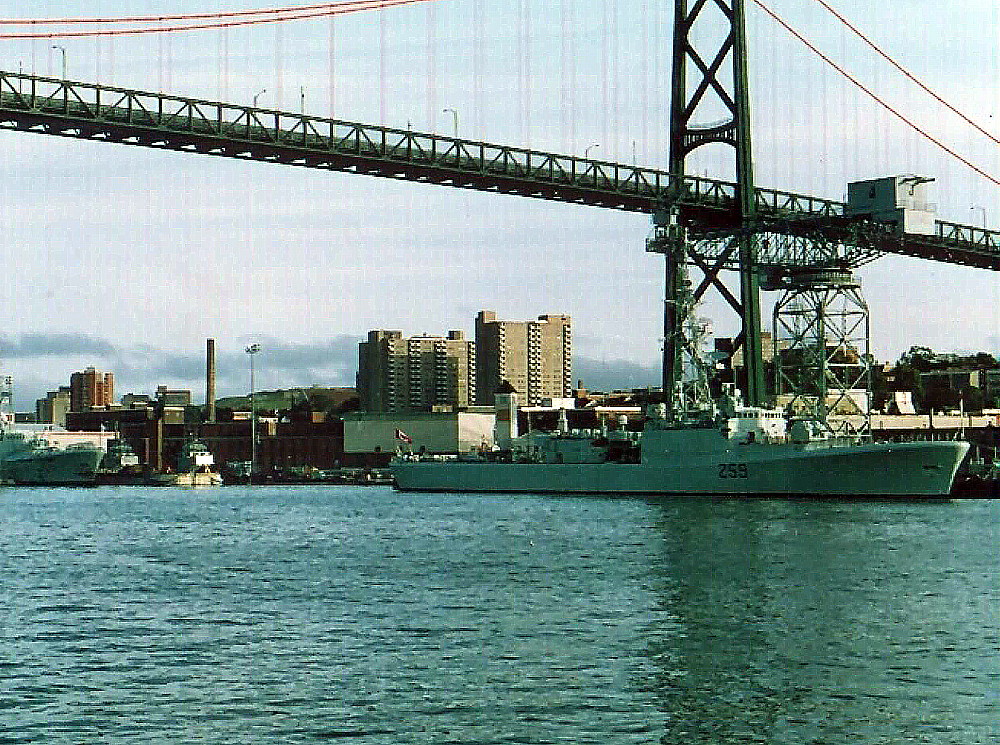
(314, 398)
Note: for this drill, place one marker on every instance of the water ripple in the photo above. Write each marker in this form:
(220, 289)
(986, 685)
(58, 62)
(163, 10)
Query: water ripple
(309, 615)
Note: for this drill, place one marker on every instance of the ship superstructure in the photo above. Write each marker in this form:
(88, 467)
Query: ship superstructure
(196, 466)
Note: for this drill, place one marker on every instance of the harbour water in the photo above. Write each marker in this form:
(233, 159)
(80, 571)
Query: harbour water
(310, 614)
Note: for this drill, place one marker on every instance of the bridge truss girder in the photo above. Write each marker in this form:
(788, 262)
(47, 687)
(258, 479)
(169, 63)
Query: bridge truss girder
(766, 235)
(707, 207)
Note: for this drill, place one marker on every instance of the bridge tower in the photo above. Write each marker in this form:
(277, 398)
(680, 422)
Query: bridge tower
(721, 82)
(810, 260)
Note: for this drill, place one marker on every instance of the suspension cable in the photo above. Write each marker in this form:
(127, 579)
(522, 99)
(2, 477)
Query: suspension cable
(352, 6)
(923, 133)
(906, 72)
(175, 17)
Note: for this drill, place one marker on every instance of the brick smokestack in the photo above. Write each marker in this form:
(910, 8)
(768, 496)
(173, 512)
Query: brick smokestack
(210, 380)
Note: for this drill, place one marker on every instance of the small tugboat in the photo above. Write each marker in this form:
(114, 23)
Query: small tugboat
(196, 466)
(120, 466)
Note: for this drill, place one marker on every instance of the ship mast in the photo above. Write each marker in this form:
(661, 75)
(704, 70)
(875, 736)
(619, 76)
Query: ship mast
(688, 392)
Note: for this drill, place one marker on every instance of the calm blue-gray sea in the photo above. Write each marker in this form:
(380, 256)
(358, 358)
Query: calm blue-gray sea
(362, 615)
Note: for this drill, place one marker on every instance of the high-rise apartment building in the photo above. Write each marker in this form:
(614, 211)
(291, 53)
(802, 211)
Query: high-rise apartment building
(535, 357)
(90, 389)
(417, 373)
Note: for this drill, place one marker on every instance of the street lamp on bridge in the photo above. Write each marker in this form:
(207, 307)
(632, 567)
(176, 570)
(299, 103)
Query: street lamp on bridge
(454, 116)
(586, 151)
(252, 351)
(63, 50)
(255, 97)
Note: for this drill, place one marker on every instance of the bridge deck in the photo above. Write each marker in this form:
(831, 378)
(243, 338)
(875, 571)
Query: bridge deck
(89, 111)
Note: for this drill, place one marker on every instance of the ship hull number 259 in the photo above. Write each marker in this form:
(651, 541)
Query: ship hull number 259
(733, 471)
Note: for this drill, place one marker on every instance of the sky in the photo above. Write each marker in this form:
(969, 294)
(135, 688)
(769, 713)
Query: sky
(127, 259)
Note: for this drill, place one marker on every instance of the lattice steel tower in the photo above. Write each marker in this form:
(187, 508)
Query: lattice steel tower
(822, 361)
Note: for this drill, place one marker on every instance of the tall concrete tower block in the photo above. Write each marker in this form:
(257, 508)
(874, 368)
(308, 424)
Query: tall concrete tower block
(534, 357)
(210, 379)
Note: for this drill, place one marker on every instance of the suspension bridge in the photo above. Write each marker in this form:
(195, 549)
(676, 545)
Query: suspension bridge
(722, 224)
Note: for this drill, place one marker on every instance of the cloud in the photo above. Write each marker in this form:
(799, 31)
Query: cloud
(608, 375)
(339, 352)
(27, 346)
(45, 361)
(279, 364)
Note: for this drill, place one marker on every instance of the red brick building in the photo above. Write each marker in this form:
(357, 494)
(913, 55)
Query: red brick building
(91, 389)
(157, 436)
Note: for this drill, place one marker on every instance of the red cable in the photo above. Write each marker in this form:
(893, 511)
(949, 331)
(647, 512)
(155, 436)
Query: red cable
(184, 17)
(877, 100)
(360, 5)
(906, 72)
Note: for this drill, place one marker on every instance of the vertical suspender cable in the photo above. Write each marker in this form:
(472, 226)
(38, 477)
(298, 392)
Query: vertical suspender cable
(477, 65)
(431, 69)
(218, 65)
(381, 69)
(522, 69)
(167, 62)
(279, 77)
(332, 65)
(527, 74)
(563, 62)
(644, 80)
(604, 74)
(571, 23)
(225, 64)
(613, 81)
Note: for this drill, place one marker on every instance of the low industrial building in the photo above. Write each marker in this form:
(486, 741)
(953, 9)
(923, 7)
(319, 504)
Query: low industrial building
(372, 439)
(158, 435)
(284, 444)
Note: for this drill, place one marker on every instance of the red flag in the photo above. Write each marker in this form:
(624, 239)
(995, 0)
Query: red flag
(401, 435)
